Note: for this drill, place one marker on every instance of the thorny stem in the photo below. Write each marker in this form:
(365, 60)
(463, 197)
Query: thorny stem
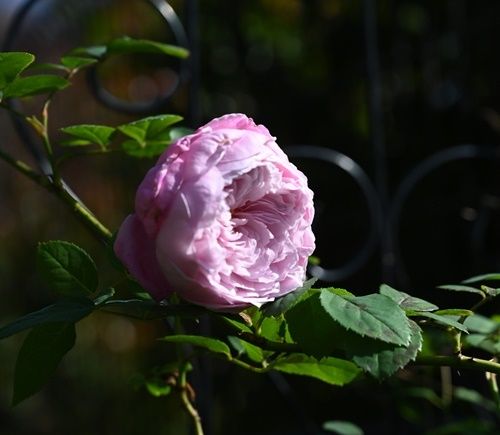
(459, 362)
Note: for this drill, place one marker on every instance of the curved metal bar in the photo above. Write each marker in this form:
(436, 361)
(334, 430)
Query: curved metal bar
(120, 105)
(364, 183)
(435, 161)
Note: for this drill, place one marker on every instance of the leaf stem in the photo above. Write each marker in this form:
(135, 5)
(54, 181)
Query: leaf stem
(185, 391)
(459, 362)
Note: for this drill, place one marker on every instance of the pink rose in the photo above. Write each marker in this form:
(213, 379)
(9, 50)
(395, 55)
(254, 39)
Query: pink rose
(223, 219)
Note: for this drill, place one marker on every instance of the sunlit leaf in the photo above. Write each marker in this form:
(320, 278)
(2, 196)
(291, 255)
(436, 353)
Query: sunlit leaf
(406, 301)
(333, 371)
(90, 134)
(34, 85)
(12, 64)
(376, 316)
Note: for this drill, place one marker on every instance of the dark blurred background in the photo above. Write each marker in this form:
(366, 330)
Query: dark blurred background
(391, 108)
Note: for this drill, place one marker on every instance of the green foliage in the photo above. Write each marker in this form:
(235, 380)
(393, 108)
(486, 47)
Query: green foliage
(283, 304)
(211, 344)
(376, 316)
(149, 136)
(77, 63)
(66, 268)
(12, 64)
(126, 45)
(405, 301)
(331, 370)
(342, 427)
(71, 310)
(485, 334)
(441, 320)
(317, 335)
(89, 134)
(40, 354)
(461, 288)
(481, 278)
(242, 347)
(34, 85)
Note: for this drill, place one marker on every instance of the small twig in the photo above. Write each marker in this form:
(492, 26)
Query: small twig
(185, 392)
(459, 362)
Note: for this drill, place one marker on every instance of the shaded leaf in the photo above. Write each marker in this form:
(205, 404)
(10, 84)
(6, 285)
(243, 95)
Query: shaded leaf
(235, 324)
(406, 301)
(484, 277)
(443, 320)
(342, 427)
(461, 288)
(283, 304)
(376, 316)
(333, 371)
(312, 327)
(484, 342)
(104, 295)
(211, 344)
(34, 85)
(147, 149)
(472, 396)
(40, 354)
(76, 62)
(62, 311)
(482, 324)
(126, 45)
(12, 64)
(66, 268)
(157, 389)
(144, 309)
(90, 134)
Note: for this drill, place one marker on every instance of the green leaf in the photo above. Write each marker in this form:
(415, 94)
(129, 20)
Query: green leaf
(376, 316)
(62, 311)
(150, 148)
(461, 288)
(211, 344)
(283, 304)
(454, 312)
(157, 389)
(484, 342)
(126, 45)
(342, 427)
(333, 371)
(485, 277)
(479, 323)
(12, 64)
(311, 326)
(149, 128)
(235, 324)
(405, 301)
(441, 319)
(490, 291)
(34, 85)
(254, 353)
(150, 136)
(178, 132)
(148, 309)
(271, 328)
(383, 359)
(90, 134)
(40, 354)
(76, 62)
(472, 396)
(66, 268)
